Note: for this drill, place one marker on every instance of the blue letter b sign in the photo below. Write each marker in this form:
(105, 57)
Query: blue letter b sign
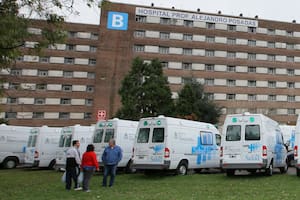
(117, 21)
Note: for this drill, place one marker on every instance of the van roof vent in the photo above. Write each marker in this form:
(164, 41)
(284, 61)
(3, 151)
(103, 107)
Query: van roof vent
(161, 116)
(246, 113)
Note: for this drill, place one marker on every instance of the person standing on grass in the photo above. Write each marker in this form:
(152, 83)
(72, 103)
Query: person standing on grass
(72, 166)
(111, 156)
(88, 165)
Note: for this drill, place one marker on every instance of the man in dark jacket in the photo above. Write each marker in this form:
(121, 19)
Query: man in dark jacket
(72, 165)
(111, 156)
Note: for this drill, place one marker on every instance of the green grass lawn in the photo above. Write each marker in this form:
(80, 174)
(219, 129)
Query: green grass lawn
(44, 184)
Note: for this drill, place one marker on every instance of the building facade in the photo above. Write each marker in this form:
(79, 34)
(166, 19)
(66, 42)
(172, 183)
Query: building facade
(246, 64)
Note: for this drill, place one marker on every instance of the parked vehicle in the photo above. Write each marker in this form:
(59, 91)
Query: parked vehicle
(13, 140)
(123, 131)
(297, 147)
(68, 134)
(42, 146)
(165, 143)
(288, 133)
(252, 142)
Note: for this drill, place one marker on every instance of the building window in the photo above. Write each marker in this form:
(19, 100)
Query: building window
(290, 58)
(187, 37)
(16, 72)
(186, 80)
(271, 44)
(289, 33)
(251, 97)
(291, 85)
(93, 49)
(230, 83)
(139, 18)
(291, 98)
(231, 27)
(291, 72)
(37, 115)
(209, 53)
(14, 86)
(272, 97)
(92, 62)
(252, 69)
(70, 47)
(271, 58)
(164, 64)
(187, 66)
(210, 39)
(188, 23)
(41, 87)
(94, 36)
(271, 70)
(69, 61)
(64, 115)
(272, 111)
(209, 81)
(72, 34)
(20, 58)
(231, 68)
(90, 88)
(210, 25)
(11, 100)
(210, 96)
(251, 30)
(230, 54)
(91, 75)
(68, 74)
(138, 48)
(291, 111)
(271, 32)
(165, 21)
(231, 41)
(163, 50)
(209, 67)
(39, 101)
(43, 73)
(290, 46)
(251, 56)
(88, 115)
(252, 43)
(230, 96)
(44, 59)
(230, 111)
(67, 88)
(272, 84)
(251, 83)
(139, 33)
(89, 102)
(11, 115)
(164, 36)
(186, 51)
(65, 101)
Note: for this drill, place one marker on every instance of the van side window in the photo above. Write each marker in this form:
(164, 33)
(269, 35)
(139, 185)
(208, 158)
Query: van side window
(252, 132)
(206, 138)
(34, 138)
(158, 135)
(98, 136)
(109, 133)
(218, 139)
(61, 140)
(233, 133)
(29, 141)
(143, 136)
(68, 139)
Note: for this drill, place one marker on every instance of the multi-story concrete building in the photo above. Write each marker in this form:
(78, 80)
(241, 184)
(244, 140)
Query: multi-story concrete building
(246, 64)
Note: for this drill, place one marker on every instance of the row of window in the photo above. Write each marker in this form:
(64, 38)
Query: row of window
(58, 60)
(250, 83)
(213, 53)
(212, 26)
(43, 101)
(266, 111)
(253, 97)
(49, 87)
(43, 115)
(213, 39)
(65, 47)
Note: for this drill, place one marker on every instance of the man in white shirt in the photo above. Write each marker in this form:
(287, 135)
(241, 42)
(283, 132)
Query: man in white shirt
(73, 165)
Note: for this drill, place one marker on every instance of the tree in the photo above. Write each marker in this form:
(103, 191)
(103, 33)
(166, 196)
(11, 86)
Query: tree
(145, 92)
(193, 104)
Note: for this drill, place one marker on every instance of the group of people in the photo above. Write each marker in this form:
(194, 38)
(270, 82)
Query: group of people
(111, 156)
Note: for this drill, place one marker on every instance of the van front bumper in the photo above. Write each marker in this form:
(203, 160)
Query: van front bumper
(165, 165)
(262, 165)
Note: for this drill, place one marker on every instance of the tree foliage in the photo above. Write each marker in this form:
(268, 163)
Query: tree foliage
(193, 104)
(145, 92)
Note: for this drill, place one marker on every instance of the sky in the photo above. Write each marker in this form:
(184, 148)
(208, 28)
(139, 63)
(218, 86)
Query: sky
(279, 10)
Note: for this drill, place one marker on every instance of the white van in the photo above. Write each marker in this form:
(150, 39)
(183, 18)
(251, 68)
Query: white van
(42, 146)
(165, 143)
(252, 142)
(13, 140)
(123, 131)
(68, 134)
(297, 147)
(288, 133)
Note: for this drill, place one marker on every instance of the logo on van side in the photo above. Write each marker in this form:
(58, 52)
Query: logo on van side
(203, 152)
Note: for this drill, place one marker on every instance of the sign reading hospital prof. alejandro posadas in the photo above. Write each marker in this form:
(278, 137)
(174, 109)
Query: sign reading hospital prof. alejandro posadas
(195, 17)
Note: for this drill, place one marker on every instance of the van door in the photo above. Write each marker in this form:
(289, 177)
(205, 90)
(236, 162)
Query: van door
(280, 150)
(97, 139)
(30, 154)
(158, 146)
(109, 134)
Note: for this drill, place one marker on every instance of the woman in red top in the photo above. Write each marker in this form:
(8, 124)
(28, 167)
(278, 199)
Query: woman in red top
(89, 164)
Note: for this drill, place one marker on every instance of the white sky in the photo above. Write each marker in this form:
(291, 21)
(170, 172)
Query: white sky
(280, 10)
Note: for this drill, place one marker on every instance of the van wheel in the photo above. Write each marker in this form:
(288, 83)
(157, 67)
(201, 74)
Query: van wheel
(52, 164)
(10, 163)
(129, 169)
(298, 172)
(182, 168)
(269, 170)
(284, 169)
(230, 172)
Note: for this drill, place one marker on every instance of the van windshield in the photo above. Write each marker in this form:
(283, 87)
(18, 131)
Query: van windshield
(68, 140)
(143, 135)
(109, 133)
(252, 132)
(32, 141)
(98, 136)
(158, 135)
(29, 141)
(233, 133)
